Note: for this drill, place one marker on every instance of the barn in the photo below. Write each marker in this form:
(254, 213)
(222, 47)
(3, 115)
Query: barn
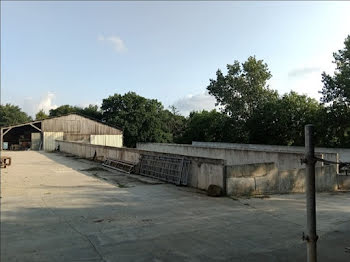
(41, 134)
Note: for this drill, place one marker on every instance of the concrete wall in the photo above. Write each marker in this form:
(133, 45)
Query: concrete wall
(232, 156)
(266, 178)
(344, 153)
(203, 171)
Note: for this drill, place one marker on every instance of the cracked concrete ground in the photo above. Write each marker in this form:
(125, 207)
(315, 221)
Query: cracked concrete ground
(58, 208)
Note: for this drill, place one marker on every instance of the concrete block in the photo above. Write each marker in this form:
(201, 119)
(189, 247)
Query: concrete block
(240, 186)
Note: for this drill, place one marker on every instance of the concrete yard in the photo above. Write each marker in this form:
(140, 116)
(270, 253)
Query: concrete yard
(60, 208)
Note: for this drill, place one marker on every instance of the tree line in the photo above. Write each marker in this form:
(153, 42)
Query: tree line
(249, 111)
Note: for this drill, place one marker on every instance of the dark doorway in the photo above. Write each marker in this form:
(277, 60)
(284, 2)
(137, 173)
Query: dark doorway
(23, 137)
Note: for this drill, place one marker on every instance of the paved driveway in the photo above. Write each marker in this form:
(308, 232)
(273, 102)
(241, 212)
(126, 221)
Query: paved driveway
(59, 208)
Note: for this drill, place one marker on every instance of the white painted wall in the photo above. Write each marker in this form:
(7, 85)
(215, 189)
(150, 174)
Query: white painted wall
(107, 140)
(49, 140)
(36, 140)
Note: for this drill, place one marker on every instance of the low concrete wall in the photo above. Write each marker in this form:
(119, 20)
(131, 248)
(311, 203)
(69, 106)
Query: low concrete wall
(232, 156)
(344, 153)
(203, 171)
(265, 178)
(344, 182)
(236, 179)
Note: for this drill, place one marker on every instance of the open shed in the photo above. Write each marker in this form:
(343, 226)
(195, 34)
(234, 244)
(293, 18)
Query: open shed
(72, 127)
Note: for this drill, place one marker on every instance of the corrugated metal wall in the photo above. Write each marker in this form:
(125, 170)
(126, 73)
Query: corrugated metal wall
(49, 140)
(76, 124)
(107, 140)
(36, 140)
(77, 137)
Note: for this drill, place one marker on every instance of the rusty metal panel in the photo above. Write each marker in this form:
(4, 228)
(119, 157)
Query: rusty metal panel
(170, 169)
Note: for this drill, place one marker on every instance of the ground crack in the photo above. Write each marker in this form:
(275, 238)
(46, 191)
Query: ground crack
(75, 230)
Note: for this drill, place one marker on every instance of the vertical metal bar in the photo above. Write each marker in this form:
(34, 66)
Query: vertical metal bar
(311, 237)
(1, 139)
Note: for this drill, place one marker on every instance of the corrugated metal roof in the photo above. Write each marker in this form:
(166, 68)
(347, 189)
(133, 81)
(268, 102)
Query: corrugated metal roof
(53, 117)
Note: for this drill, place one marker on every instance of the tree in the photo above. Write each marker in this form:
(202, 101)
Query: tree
(176, 123)
(207, 126)
(333, 125)
(143, 120)
(12, 115)
(243, 88)
(91, 111)
(41, 115)
(336, 88)
(282, 120)
(63, 110)
(336, 97)
(242, 91)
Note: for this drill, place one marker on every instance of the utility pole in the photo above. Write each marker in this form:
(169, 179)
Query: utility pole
(311, 237)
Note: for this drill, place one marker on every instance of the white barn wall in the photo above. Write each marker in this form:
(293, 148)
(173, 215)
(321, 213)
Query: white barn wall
(76, 124)
(50, 140)
(107, 140)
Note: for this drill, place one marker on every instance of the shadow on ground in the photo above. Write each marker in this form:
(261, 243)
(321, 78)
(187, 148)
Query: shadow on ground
(65, 214)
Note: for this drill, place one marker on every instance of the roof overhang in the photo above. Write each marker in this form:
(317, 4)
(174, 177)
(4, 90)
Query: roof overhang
(24, 124)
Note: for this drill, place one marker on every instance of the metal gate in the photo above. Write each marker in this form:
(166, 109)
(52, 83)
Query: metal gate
(170, 169)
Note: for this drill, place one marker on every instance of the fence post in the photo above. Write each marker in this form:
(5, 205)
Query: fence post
(311, 237)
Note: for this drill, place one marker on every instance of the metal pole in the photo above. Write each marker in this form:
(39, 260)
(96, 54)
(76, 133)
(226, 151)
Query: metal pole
(311, 237)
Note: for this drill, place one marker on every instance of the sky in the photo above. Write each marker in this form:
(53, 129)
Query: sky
(78, 53)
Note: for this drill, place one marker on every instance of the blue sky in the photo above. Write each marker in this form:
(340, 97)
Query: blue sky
(55, 53)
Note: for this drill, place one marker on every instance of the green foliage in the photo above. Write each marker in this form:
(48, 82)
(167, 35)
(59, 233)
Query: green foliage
(242, 89)
(175, 123)
(41, 115)
(207, 126)
(336, 97)
(90, 111)
(334, 125)
(282, 120)
(337, 87)
(143, 120)
(12, 115)
(63, 110)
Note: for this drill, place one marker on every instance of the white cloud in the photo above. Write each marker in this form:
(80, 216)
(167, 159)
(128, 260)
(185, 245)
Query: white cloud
(197, 102)
(305, 79)
(32, 106)
(303, 71)
(117, 43)
(46, 102)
